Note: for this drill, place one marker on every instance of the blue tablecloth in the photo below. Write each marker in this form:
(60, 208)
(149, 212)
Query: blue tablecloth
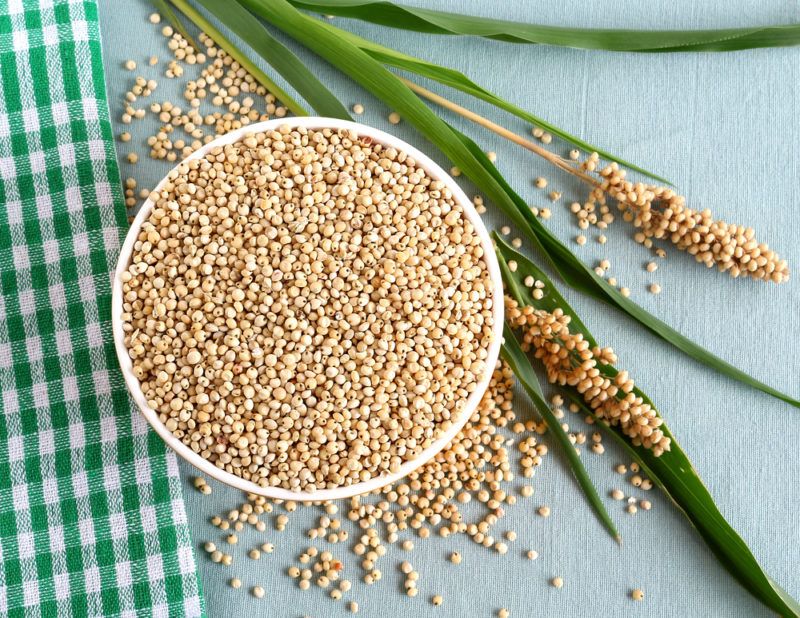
(724, 129)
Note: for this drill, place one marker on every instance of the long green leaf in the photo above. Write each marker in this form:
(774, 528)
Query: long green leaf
(239, 20)
(206, 26)
(464, 153)
(673, 472)
(440, 22)
(459, 81)
(521, 366)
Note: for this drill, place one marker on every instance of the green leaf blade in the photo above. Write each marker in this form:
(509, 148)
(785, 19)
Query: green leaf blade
(672, 472)
(457, 80)
(675, 475)
(512, 353)
(395, 15)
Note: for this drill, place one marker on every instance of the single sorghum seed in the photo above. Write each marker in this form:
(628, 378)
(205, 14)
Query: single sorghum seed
(358, 109)
(637, 594)
(557, 582)
(394, 118)
(257, 592)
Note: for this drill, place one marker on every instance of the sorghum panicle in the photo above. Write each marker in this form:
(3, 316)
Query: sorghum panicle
(569, 360)
(660, 213)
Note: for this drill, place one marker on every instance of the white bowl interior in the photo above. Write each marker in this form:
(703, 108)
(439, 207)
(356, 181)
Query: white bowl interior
(206, 466)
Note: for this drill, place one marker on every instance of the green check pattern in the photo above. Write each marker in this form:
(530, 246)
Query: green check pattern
(92, 521)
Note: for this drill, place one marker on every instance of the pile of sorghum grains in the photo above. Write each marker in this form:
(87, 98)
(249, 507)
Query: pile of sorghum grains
(307, 309)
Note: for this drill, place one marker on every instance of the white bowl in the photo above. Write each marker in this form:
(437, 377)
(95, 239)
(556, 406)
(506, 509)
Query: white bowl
(207, 467)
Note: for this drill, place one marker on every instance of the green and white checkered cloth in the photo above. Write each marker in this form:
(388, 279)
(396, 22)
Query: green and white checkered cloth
(92, 521)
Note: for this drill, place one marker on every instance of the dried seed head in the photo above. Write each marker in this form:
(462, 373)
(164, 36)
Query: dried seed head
(568, 360)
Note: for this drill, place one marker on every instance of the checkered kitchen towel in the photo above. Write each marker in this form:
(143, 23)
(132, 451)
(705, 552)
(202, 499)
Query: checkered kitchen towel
(92, 521)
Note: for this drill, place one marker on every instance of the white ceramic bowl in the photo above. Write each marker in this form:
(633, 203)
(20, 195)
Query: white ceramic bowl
(207, 467)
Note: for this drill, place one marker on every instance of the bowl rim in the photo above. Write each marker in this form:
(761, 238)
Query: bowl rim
(210, 469)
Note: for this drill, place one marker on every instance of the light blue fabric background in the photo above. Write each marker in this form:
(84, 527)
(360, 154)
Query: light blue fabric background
(724, 129)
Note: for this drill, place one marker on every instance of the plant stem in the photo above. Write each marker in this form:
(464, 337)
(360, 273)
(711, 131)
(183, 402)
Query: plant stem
(500, 130)
(201, 22)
